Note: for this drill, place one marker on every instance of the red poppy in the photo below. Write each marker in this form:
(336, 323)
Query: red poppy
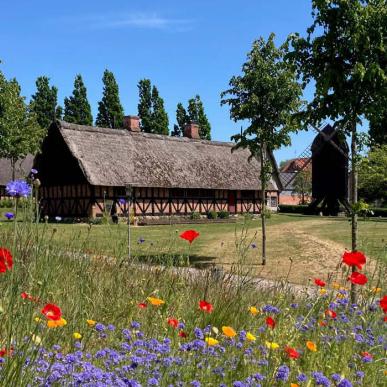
(385, 318)
(189, 235)
(52, 312)
(27, 296)
(6, 262)
(270, 322)
(366, 354)
(358, 278)
(292, 353)
(330, 313)
(354, 258)
(383, 304)
(182, 334)
(173, 322)
(319, 282)
(322, 323)
(6, 352)
(206, 306)
(142, 305)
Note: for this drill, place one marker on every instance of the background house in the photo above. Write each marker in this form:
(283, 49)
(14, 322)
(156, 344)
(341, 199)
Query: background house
(83, 169)
(23, 168)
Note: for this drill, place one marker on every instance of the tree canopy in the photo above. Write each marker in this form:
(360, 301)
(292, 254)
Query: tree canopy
(44, 103)
(77, 108)
(182, 119)
(110, 111)
(154, 118)
(196, 114)
(20, 132)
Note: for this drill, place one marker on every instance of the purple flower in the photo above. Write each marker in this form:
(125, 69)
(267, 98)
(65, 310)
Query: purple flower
(344, 383)
(140, 240)
(282, 373)
(34, 171)
(18, 188)
(320, 379)
(100, 327)
(271, 309)
(253, 245)
(122, 201)
(302, 378)
(9, 215)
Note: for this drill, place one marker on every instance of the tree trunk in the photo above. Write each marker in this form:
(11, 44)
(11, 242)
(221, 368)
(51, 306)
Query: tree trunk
(263, 207)
(354, 184)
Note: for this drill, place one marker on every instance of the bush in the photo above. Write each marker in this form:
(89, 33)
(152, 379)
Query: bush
(379, 212)
(212, 215)
(195, 215)
(223, 214)
(6, 203)
(292, 209)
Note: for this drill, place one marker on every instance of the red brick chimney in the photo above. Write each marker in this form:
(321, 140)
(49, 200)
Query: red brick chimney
(191, 130)
(132, 123)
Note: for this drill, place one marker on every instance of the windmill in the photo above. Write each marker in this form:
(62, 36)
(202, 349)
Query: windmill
(329, 155)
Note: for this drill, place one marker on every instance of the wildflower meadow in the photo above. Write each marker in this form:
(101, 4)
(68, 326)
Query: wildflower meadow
(69, 320)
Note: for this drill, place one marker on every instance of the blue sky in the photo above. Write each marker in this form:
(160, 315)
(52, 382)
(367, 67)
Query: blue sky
(184, 47)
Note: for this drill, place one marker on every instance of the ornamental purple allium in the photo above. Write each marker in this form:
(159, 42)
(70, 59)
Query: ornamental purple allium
(9, 215)
(282, 373)
(18, 188)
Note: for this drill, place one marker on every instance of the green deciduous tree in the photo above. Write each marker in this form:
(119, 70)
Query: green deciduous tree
(154, 118)
(302, 185)
(77, 108)
(182, 118)
(378, 129)
(373, 175)
(344, 53)
(20, 132)
(110, 110)
(196, 114)
(266, 95)
(44, 103)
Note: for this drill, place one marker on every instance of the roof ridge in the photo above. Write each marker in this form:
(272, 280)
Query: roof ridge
(125, 132)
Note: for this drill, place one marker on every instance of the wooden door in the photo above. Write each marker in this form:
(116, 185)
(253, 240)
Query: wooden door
(231, 202)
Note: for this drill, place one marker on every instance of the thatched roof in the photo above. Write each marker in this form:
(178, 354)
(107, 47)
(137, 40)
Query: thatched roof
(116, 157)
(23, 168)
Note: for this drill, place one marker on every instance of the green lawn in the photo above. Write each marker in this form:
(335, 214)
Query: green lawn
(300, 244)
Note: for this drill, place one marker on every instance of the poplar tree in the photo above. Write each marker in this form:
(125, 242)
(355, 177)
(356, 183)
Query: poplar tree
(110, 110)
(182, 120)
(77, 108)
(154, 118)
(196, 114)
(44, 103)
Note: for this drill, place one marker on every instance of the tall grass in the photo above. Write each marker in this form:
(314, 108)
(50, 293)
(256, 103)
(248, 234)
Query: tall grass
(108, 289)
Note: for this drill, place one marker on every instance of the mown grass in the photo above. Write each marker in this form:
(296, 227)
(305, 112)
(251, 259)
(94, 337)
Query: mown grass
(53, 267)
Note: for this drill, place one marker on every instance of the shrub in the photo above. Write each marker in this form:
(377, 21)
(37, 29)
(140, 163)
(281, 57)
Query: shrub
(212, 215)
(292, 209)
(195, 215)
(223, 214)
(6, 203)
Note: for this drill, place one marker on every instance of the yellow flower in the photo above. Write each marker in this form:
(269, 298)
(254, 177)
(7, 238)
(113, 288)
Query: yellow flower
(228, 331)
(336, 285)
(250, 336)
(37, 319)
(253, 310)
(323, 291)
(210, 341)
(56, 323)
(376, 290)
(155, 301)
(36, 339)
(77, 335)
(271, 345)
(311, 346)
(340, 295)
(294, 385)
(91, 323)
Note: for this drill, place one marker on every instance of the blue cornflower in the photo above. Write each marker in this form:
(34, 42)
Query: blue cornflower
(198, 333)
(18, 188)
(100, 327)
(336, 377)
(271, 309)
(135, 325)
(9, 215)
(195, 383)
(122, 201)
(140, 240)
(360, 374)
(344, 383)
(320, 379)
(359, 338)
(302, 378)
(111, 327)
(282, 373)
(294, 306)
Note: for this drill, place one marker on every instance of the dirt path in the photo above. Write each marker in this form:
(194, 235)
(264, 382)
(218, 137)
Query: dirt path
(293, 254)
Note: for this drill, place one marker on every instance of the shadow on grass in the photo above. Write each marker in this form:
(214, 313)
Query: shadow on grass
(197, 261)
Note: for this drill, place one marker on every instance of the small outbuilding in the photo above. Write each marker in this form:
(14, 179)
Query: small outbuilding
(84, 172)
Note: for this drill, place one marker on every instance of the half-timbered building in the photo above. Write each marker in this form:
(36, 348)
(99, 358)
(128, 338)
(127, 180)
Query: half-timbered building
(84, 171)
